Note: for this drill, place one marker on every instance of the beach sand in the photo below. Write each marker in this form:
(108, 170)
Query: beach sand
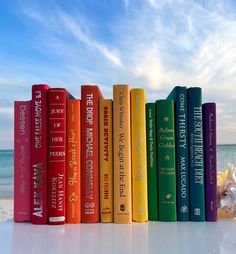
(6, 209)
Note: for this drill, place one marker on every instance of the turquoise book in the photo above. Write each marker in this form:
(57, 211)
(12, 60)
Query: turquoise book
(166, 160)
(152, 161)
(179, 95)
(196, 156)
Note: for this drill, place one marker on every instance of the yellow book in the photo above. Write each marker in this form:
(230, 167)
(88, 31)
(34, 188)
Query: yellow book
(122, 154)
(139, 155)
(106, 160)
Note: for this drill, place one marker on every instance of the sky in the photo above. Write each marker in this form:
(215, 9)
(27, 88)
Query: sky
(154, 44)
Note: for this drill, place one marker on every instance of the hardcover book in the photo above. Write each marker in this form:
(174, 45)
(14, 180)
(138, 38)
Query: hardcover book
(22, 163)
(39, 116)
(196, 163)
(179, 95)
(166, 160)
(90, 153)
(122, 154)
(73, 159)
(106, 160)
(139, 155)
(57, 155)
(210, 160)
(152, 161)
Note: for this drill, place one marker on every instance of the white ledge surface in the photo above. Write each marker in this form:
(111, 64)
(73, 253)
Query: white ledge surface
(151, 237)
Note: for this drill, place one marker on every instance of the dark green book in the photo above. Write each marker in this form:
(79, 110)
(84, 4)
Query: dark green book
(152, 161)
(166, 160)
(196, 162)
(179, 95)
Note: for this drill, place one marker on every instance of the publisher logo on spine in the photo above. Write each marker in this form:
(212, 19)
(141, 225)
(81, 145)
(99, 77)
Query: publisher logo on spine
(122, 207)
(89, 205)
(184, 209)
(197, 211)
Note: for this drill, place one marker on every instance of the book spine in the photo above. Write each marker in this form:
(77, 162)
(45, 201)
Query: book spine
(39, 154)
(179, 94)
(196, 164)
(122, 154)
(90, 153)
(73, 165)
(166, 160)
(210, 161)
(152, 161)
(139, 156)
(22, 163)
(106, 160)
(56, 155)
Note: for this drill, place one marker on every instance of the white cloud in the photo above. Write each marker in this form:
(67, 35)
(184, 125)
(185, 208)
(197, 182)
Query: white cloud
(7, 138)
(59, 20)
(150, 67)
(7, 112)
(194, 45)
(153, 2)
(126, 3)
(76, 30)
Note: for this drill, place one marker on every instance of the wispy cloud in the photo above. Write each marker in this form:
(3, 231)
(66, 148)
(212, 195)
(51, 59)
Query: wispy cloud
(195, 45)
(126, 3)
(153, 3)
(59, 23)
(7, 112)
(76, 30)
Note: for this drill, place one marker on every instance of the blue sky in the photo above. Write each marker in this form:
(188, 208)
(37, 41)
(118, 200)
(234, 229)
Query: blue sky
(155, 44)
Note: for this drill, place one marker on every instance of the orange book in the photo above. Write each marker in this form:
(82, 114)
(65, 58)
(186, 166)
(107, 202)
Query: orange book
(106, 160)
(73, 165)
(90, 95)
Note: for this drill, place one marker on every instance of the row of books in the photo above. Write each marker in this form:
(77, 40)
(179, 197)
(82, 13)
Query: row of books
(119, 160)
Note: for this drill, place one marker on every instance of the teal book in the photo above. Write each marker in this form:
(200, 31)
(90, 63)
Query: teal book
(179, 95)
(166, 160)
(196, 158)
(152, 161)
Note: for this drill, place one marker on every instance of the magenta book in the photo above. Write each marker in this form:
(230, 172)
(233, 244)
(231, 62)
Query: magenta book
(22, 163)
(39, 154)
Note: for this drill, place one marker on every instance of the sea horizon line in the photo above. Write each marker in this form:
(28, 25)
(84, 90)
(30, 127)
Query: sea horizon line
(10, 150)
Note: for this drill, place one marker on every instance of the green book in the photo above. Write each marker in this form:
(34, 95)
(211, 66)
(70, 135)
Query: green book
(166, 160)
(152, 161)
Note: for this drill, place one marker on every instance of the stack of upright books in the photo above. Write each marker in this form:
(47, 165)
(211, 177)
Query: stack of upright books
(122, 160)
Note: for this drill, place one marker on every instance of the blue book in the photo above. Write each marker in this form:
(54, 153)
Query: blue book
(196, 155)
(179, 95)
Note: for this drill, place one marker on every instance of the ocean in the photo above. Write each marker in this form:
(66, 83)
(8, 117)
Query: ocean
(6, 173)
(225, 154)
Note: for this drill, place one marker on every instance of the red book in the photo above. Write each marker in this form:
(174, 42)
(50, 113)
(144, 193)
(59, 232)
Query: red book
(22, 163)
(90, 96)
(39, 154)
(57, 155)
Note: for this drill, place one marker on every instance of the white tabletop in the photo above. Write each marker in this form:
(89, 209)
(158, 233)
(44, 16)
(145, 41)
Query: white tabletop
(151, 237)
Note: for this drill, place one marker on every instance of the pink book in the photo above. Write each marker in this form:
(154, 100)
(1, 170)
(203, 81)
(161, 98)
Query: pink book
(22, 162)
(39, 116)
